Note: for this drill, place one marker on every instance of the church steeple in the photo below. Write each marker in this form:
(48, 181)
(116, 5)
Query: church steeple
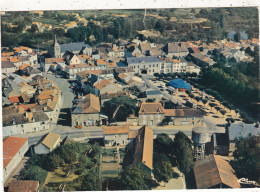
(56, 48)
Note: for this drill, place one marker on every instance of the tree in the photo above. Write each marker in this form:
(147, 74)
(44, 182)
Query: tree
(237, 37)
(183, 152)
(156, 75)
(90, 182)
(54, 161)
(191, 95)
(223, 112)
(237, 111)
(34, 28)
(134, 177)
(163, 144)
(193, 74)
(128, 106)
(230, 120)
(166, 120)
(163, 171)
(246, 158)
(212, 105)
(197, 98)
(217, 108)
(204, 101)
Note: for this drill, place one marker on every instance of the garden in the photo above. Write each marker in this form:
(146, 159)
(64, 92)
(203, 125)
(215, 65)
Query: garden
(68, 167)
(111, 160)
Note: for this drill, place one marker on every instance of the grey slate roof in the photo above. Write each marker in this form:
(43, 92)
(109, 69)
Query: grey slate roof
(73, 47)
(243, 130)
(7, 64)
(148, 59)
(22, 119)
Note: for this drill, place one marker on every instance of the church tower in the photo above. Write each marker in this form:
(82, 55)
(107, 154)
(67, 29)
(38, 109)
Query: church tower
(57, 53)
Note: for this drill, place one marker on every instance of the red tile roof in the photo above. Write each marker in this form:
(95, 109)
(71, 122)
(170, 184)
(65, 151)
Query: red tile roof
(151, 108)
(26, 107)
(11, 146)
(14, 99)
(23, 186)
(213, 171)
(112, 130)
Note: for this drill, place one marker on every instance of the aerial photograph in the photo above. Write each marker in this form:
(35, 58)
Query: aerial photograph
(130, 99)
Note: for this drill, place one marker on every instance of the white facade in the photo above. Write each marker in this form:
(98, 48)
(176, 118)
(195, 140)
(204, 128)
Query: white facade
(11, 166)
(116, 139)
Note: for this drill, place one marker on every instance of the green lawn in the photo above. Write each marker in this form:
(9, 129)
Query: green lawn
(110, 172)
(108, 151)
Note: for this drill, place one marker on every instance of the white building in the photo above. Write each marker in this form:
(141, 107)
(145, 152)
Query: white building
(48, 144)
(14, 149)
(28, 122)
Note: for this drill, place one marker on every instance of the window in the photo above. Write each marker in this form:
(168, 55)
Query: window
(84, 123)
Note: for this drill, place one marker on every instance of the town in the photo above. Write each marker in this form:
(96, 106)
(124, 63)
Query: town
(129, 114)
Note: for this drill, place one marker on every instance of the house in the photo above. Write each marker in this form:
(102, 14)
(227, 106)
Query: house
(50, 61)
(145, 65)
(185, 116)
(86, 112)
(192, 68)
(179, 65)
(143, 154)
(71, 58)
(27, 122)
(31, 71)
(23, 185)
(37, 13)
(76, 48)
(202, 60)
(106, 86)
(108, 96)
(144, 48)
(14, 149)
(175, 49)
(48, 144)
(150, 114)
(8, 67)
(116, 135)
(72, 70)
(241, 130)
(214, 172)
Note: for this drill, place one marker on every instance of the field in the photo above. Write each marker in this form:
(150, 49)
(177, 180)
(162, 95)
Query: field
(111, 160)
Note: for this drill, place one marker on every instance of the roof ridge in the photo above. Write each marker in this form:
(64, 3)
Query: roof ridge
(214, 157)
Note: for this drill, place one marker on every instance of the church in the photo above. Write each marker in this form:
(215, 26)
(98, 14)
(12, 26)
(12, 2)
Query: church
(76, 48)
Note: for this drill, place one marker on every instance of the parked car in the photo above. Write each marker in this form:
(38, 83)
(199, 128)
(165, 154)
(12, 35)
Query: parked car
(79, 126)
